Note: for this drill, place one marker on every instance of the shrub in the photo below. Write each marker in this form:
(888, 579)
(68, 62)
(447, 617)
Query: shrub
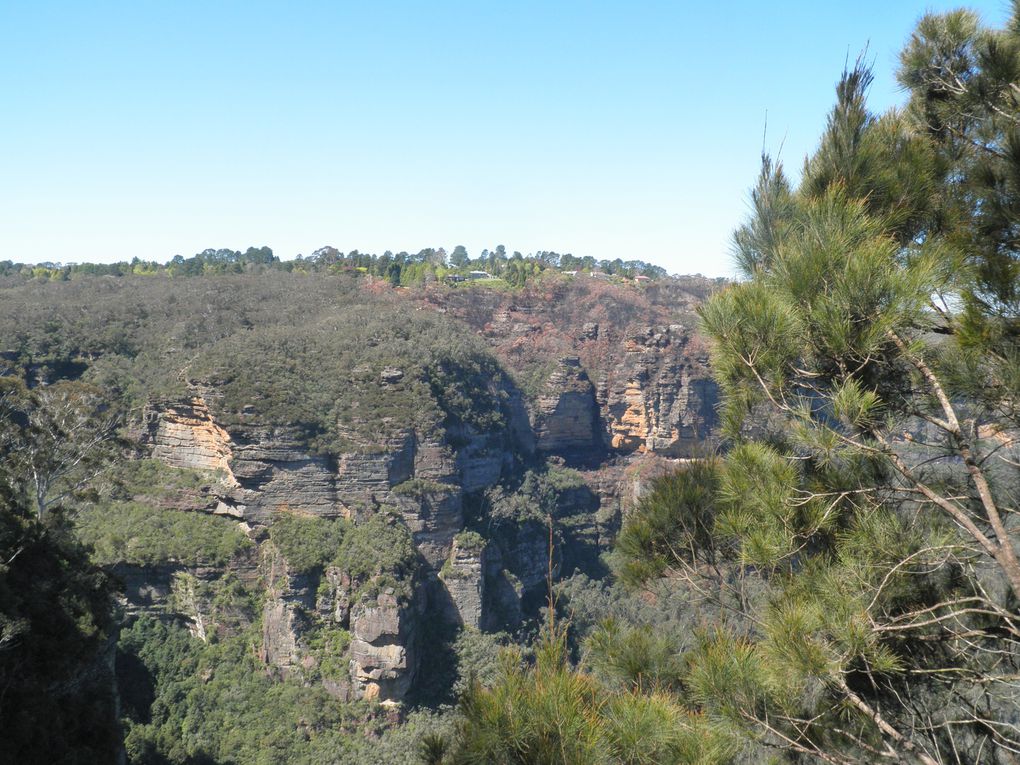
(128, 532)
(307, 542)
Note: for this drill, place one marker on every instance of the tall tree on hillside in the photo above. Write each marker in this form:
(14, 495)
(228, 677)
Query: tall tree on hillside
(55, 605)
(54, 441)
(869, 397)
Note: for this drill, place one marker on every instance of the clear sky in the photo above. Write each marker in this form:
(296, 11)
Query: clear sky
(623, 129)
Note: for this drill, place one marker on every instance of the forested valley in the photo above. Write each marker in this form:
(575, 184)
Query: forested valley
(543, 509)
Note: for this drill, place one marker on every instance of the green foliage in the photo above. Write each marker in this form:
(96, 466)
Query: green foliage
(856, 486)
(152, 481)
(188, 701)
(533, 499)
(315, 363)
(381, 551)
(674, 518)
(329, 645)
(56, 606)
(330, 384)
(564, 478)
(477, 657)
(547, 713)
(961, 77)
(469, 540)
(54, 441)
(636, 658)
(306, 542)
(129, 532)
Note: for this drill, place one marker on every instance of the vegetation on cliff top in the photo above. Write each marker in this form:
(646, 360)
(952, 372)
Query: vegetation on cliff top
(339, 363)
(400, 269)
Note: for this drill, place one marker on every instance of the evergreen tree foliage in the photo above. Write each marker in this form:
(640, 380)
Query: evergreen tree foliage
(870, 486)
(547, 713)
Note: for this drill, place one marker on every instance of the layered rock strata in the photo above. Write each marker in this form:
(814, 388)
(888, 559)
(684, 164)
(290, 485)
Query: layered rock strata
(464, 579)
(565, 414)
(384, 647)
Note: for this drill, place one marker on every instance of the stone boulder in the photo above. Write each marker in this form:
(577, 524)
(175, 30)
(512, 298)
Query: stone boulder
(384, 655)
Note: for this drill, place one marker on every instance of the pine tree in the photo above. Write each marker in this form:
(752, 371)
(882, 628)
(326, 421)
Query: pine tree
(867, 365)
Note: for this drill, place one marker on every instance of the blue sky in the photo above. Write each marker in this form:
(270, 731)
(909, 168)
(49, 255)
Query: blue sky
(623, 129)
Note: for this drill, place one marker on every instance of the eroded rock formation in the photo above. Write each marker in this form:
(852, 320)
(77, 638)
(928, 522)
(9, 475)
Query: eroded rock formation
(566, 414)
(384, 647)
(464, 579)
(620, 388)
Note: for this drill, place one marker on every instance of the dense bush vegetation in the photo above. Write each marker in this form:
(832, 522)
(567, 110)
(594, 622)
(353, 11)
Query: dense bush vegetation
(380, 551)
(327, 377)
(307, 542)
(315, 362)
(548, 713)
(186, 701)
(128, 532)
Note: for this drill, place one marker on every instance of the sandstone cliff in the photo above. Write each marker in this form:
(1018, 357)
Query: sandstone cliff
(635, 351)
(611, 380)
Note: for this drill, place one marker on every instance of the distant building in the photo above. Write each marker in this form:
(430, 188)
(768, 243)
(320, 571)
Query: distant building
(479, 275)
(641, 278)
(455, 278)
(599, 275)
(570, 273)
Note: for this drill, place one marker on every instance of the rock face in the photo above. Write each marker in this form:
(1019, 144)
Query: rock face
(187, 592)
(659, 397)
(464, 579)
(274, 472)
(290, 598)
(365, 477)
(653, 390)
(565, 416)
(384, 647)
(182, 434)
(333, 602)
(268, 470)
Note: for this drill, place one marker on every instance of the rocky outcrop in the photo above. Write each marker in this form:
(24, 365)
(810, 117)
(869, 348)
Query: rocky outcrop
(183, 434)
(659, 396)
(333, 601)
(275, 472)
(366, 474)
(384, 647)
(434, 514)
(269, 469)
(481, 460)
(290, 599)
(173, 590)
(503, 591)
(565, 416)
(463, 576)
(650, 371)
